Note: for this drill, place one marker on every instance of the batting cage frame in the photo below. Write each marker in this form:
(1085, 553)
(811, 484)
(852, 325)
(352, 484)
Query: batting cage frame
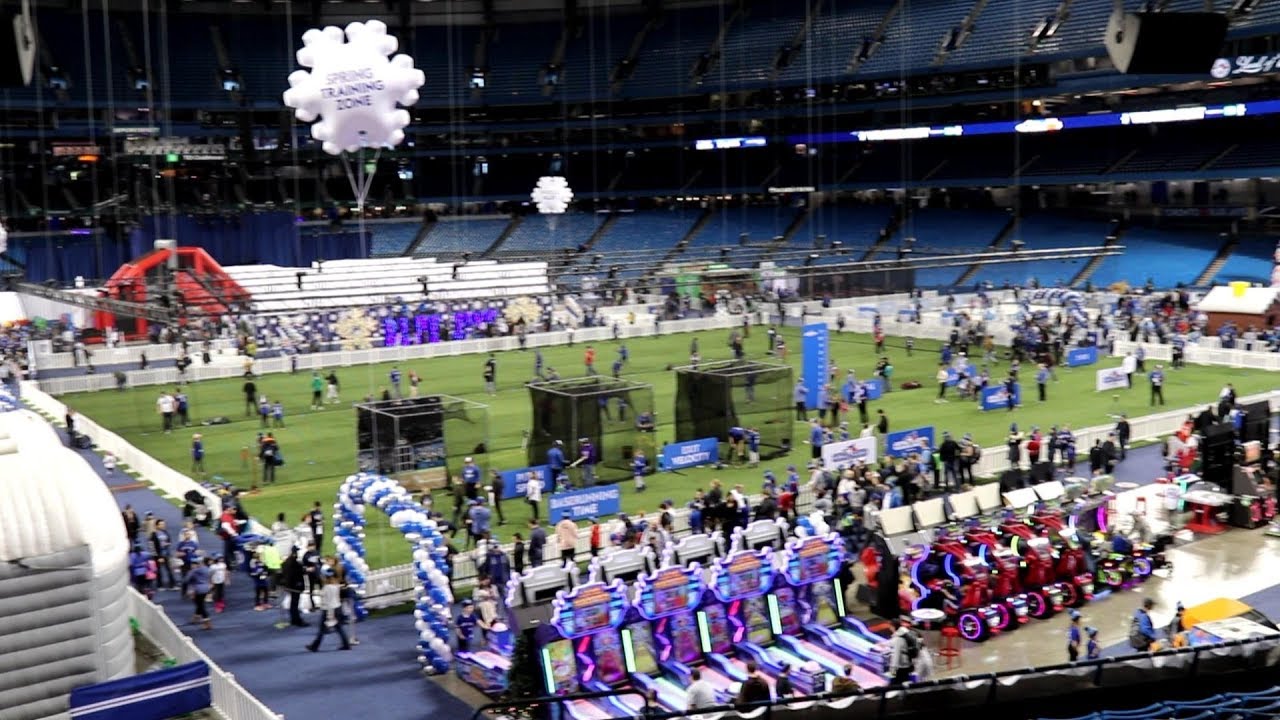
(713, 397)
(423, 441)
(588, 407)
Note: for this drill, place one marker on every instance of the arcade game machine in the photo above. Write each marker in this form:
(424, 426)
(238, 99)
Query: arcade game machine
(1255, 495)
(950, 578)
(1072, 564)
(735, 620)
(1004, 565)
(529, 597)
(1045, 595)
(887, 561)
(810, 601)
(585, 651)
(666, 629)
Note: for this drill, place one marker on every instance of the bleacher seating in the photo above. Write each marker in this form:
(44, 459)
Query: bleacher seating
(1252, 260)
(1168, 257)
(946, 232)
(459, 234)
(667, 59)
(391, 238)
(1042, 232)
(1259, 705)
(914, 37)
(547, 233)
(764, 29)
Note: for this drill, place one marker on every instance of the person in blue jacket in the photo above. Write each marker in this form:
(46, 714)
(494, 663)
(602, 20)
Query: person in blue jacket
(1143, 628)
(199, 586)
(555, 458)
(798, 395)
(816, 436)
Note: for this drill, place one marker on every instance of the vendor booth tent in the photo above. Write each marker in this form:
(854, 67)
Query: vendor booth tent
(64, 618)
(1244, 306)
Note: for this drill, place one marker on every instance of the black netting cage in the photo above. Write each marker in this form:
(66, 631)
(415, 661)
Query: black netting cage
(608, 411)
(423, 441)
(713, 397)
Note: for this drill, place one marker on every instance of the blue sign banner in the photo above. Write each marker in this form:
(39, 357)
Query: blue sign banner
(953, 375)
(905, 442)
(816, 350)
(515, 482)
(585, 503)
(873, 387)
(997, 398)
(1082, 356)
(680, 455)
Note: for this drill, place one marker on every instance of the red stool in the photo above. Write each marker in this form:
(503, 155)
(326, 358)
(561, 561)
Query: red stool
(950, 651)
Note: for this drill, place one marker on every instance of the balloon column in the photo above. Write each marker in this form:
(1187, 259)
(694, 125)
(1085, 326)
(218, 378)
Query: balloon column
(551, 195)
(432, 598)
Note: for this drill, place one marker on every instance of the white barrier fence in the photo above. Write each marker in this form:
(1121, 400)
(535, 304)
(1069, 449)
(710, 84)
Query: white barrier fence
(167, 480)
(230, 699)
(402, 353)
(1202, 355)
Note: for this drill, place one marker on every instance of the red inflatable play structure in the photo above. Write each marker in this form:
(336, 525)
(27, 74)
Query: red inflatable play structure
(203, 287)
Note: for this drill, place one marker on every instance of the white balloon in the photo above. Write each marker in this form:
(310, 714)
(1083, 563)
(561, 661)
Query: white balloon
(551, 195)
(353, 87)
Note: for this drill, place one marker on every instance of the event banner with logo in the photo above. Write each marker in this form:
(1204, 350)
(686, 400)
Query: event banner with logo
(953, 375)
(817, 355)
(873, 387)
(1082, 356)
(905, 442)
(585, 503)
(515, 482)
(1111, 379)
(997, 398)
(680, 455)
(848, 452)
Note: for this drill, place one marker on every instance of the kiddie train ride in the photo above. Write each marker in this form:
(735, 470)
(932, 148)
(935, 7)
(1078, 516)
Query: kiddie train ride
(988, 560)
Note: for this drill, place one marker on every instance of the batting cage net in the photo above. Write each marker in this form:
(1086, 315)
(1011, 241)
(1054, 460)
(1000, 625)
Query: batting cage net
(616, 415)
(421, 441)
(713, 397)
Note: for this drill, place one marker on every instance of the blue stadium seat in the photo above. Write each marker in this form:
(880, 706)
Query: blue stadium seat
(1252, 260)
(462, 234)
(391, 239)
(1150, 712)
(1043, 232)
(546, 233)
(1167, 257)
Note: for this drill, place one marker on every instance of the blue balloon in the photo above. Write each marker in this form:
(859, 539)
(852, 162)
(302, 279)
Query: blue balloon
(440, 666)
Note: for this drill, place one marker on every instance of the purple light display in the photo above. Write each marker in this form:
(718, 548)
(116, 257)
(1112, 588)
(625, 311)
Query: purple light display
(421, 328)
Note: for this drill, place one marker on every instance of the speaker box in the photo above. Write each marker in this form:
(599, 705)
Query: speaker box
(17, 47)
(1218, 453)
(1165, 43)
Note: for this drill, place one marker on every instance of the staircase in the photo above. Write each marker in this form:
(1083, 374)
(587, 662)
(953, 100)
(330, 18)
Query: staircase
(600, 232)
(420, 238)
(967, 276)
(1092, 266)
(688, 237)
(798, 40)
(1215, 265)
(516, 220)
(700, 70)
(961, 34)
(890, 229)
(616, 76)
(858, 57)
(784, 240)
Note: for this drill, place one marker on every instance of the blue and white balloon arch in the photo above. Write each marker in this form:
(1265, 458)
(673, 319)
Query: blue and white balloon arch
(432, 598)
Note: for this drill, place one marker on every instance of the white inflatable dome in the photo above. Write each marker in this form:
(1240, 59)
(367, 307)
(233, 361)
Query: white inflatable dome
(64, 609)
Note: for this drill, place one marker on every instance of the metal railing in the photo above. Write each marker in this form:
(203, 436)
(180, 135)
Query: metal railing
(230, 699)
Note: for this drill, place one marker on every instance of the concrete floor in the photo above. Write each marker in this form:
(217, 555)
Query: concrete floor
(1234, 564)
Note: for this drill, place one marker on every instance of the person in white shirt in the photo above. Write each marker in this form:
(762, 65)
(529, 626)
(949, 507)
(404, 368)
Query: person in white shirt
(700, 694)
(867, 431)
(109, 464)
(165, 405)
(533, 494)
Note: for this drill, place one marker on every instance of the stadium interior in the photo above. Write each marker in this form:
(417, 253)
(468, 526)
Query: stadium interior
(980, 218)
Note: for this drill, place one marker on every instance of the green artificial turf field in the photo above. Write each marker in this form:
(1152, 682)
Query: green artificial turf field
(319, 446)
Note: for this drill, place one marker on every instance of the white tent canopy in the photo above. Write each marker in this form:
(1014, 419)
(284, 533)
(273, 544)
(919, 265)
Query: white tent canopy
(1254, 301)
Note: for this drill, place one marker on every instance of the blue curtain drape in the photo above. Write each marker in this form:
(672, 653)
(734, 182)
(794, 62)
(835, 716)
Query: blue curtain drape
(271, 238)
(63, 256)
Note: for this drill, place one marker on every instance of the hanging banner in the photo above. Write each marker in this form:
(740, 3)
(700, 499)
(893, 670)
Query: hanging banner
(680, 455)
(905, 442)
(816, 351)
(582, 504)
(515, 482)
(848, 452)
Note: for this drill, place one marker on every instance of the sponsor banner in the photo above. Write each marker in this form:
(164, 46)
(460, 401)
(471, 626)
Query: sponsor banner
(515, 482)
(817, 357)
(874, 388)
(586, 503)
(997, 398)
(848, 452)
(1111, 379)
(680, 455)
(1244, 65)
(953, 375)
(1082, 356)
(905, 442)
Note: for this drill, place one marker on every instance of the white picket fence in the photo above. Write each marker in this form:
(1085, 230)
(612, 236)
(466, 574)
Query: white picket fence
(230, 699)
(1205, 353)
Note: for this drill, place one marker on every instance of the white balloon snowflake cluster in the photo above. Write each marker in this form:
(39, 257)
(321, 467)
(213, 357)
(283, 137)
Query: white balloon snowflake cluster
(552, 195)
(353, 87)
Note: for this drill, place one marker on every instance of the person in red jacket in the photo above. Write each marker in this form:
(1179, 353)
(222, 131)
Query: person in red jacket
(595, 537)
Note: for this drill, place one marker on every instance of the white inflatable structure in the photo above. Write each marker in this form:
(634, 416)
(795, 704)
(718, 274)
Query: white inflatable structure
(64, 606)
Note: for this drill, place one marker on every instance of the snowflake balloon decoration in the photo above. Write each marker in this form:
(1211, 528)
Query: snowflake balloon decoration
(353, 87)
(551, 195)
